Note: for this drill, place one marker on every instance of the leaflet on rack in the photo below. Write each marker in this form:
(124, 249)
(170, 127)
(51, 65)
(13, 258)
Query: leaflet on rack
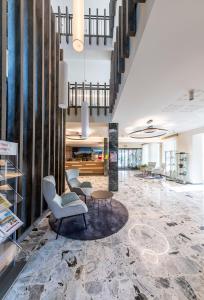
(9, 222)
(4, 202)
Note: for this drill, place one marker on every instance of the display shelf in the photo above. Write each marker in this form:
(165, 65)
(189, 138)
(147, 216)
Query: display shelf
(170, 165)
(8, 170)
(182, 167)
(10, 210)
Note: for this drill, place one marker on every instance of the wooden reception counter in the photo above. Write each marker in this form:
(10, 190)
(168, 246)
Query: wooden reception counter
(86, 167)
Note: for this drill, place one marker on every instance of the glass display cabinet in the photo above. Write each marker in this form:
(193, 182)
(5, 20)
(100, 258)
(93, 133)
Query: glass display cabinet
(182, 159)
(170, 165)
(10, 210)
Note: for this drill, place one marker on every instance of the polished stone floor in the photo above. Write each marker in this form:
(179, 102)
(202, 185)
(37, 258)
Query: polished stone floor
(159, 254)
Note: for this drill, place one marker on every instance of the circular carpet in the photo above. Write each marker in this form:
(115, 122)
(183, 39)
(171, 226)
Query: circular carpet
(104, 224)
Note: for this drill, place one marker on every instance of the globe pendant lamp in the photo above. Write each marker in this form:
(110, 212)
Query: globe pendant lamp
(63, 85)
(78, 25)
(84, 120)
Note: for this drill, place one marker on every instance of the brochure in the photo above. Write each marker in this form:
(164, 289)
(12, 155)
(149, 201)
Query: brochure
(4, 202)
(9, 222)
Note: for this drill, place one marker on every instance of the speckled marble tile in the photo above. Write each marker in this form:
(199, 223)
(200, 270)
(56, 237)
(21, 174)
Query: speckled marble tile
(158, 254)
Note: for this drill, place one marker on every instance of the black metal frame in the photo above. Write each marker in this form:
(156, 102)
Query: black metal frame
(61, 220)
(96, 26)
(97, 95)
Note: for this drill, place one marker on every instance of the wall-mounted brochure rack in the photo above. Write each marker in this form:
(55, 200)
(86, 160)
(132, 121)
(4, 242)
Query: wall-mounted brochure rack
(10, 201)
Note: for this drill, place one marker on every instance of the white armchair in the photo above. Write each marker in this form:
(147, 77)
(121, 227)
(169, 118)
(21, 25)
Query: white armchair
(80, 188)
(64, 206)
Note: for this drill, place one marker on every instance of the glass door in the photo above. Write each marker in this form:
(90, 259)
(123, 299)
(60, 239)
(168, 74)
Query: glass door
(129, 159)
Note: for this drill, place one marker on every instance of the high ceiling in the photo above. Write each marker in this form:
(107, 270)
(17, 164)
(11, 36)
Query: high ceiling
(168, 63)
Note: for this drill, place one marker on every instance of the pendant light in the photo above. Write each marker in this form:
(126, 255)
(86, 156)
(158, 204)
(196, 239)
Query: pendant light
(78, 25)
(84, 120)
(63, 82)
(84, 110)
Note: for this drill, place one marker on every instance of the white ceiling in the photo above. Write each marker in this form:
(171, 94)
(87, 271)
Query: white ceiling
(168, 63)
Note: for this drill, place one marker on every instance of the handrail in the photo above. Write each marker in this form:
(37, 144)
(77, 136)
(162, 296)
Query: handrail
(96, 26)
(97, 95)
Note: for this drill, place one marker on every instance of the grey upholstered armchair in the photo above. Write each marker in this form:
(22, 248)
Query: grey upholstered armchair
(64, 206)
(80, 188)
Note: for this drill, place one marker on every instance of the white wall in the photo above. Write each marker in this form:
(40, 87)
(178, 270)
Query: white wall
(189, 142)
(94, 70)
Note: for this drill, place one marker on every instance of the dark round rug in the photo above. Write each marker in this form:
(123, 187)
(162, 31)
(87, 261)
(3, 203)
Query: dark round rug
(104, 224)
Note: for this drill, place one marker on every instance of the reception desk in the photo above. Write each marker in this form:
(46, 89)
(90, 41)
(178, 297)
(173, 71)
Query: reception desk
(86, 167)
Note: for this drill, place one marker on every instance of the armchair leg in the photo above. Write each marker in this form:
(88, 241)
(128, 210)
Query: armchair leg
(85, 220)
(85, 198)
(58, 229)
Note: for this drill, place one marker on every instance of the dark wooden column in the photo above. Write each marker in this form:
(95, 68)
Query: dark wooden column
(113, 157)
(29, 184)
(58, 111)
(3, 85)
(47, 85)
(53, 95)
(39, 105)
(15, 75)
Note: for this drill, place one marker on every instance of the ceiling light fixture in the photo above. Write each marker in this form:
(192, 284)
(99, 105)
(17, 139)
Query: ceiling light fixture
(149, 132)
(78, 25)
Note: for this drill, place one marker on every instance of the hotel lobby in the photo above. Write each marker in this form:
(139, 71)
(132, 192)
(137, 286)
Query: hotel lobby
(101, 150)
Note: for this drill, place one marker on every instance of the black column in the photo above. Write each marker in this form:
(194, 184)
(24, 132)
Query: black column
(113, 157)
(53, 95)
(28, 186)
(3, 85)
(39, 105)
(58, 118)
(47, 85)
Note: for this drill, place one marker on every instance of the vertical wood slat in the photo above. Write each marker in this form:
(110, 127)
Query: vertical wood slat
(105, 28)
(121, 58)
(68, 110)
(91, 99)
(57, 133)
(90, 26)
(47, 86)
(53, 94)
(15, 74)
(105, 100)
(98, 108)
(39, 106)
(75, 98)
(59, 23)
(28, 186)
(126, 38)
(3, 85)
(67, 25)
(97, 27)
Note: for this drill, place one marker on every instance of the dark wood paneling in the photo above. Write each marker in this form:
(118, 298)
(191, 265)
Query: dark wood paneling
(53, 95)
(15, 74)
(3, 85)
(47, 85)
(28, 186)
(39, 105)
(57, 109)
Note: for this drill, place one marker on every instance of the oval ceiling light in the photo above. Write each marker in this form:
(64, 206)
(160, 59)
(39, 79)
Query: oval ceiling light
(149, 132)
(78, 25)
(63, 85)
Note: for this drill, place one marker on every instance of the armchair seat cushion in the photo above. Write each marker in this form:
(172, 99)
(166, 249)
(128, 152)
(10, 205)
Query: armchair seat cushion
(68, 198)
(73, 208)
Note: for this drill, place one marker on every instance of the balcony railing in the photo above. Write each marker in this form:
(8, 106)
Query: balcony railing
(96, 26)
(97, 96)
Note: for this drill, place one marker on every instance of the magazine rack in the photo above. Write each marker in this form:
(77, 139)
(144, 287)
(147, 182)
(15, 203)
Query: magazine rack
(10, 200)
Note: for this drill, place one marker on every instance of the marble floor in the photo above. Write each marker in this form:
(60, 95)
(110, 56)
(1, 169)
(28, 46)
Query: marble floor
(159, 254)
